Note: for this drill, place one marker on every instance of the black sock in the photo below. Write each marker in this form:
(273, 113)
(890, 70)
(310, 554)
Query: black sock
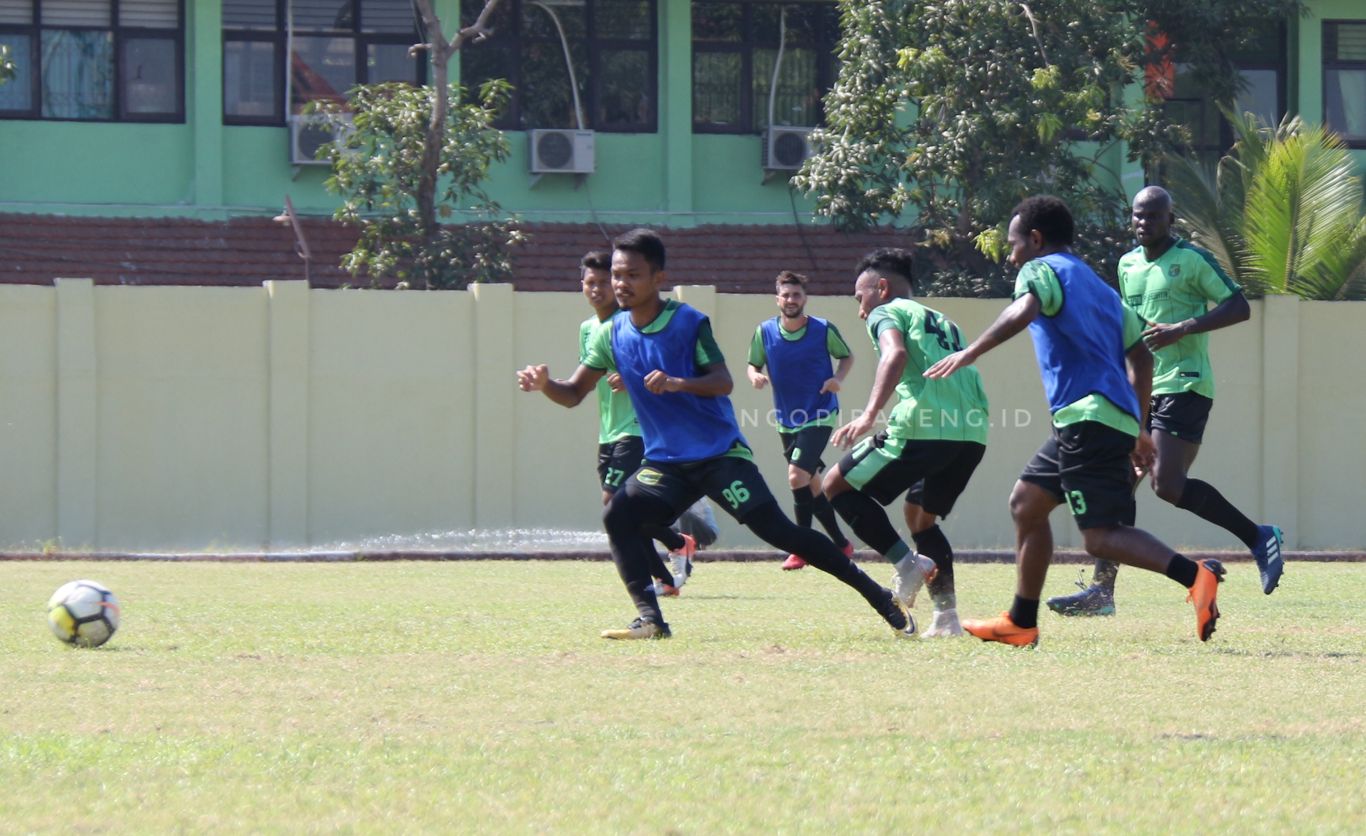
(933, 544)
(802, 506)
(1025, 612)
(820, 506)
(1204, 501)
(867, 519)
(1104, 573)
(632, 551)
(1182, 570)
(670, 539)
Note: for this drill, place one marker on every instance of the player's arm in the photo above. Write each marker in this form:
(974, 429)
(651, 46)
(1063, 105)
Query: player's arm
(1138, 362)
(758, 358)
(892, 348)
(1012, 321)
(839, 349)
(714, 382)
(1231, 311)
(568, 392)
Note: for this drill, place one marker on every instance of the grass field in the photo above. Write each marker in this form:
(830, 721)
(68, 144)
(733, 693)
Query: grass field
(476, 696)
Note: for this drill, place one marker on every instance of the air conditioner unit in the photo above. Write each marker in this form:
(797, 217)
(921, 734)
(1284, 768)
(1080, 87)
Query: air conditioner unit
(309, 132)
(561, 151)
(785, 149)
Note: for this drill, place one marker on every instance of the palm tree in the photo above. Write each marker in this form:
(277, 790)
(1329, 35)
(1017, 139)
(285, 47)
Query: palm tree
(1281, 212)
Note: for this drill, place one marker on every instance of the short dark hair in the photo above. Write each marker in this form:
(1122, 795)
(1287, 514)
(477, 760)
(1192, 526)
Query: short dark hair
(595, 260)
(644, 241)
(789, 277)
(1049, 215)
(889, 261)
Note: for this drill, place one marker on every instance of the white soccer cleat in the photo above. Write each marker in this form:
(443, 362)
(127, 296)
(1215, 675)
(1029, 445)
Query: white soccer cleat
(912, 572)
(943, 625)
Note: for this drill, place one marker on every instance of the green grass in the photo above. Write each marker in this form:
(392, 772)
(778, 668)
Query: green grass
(476, 696)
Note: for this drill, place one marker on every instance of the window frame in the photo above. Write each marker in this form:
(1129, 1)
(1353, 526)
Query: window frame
(1331, 62)
(278, 36)
(118, 36)
(827, 65)
(595, 46)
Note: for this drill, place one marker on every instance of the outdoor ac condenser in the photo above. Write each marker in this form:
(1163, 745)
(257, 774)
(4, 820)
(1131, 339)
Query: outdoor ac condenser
(561, 151)
(786, 148)
(308, 133)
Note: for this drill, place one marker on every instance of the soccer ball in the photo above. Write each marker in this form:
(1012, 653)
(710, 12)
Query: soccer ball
(83, 613)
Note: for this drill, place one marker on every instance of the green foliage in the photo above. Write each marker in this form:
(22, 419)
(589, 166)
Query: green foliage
(1282, 212)
(378, 167)
(957, 110)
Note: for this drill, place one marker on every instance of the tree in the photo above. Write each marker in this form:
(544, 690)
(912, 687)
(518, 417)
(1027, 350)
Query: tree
(959, 109)
(414, 158)
(1282, 212)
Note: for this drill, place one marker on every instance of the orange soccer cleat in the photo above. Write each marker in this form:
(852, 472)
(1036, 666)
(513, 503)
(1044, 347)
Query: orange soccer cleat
(1002, 629)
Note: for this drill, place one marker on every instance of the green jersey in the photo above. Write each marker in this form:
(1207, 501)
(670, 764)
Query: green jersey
(950, 409)
(616, 417)
(1037, 278)
(1180, 284)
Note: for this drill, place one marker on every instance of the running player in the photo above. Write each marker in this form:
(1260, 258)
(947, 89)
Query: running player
(1097, 376)
(620, 447)
(796, 349)
(1170, 284)
(678, 383)
(934, 440)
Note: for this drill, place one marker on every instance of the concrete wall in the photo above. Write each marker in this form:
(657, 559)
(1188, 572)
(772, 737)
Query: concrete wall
(281, 417)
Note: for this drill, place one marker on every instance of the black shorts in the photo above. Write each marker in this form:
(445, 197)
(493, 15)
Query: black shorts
(803, 447)
(933, 473)
(733, 483)
(619, 459)
(1086, 465)
(1182, 415)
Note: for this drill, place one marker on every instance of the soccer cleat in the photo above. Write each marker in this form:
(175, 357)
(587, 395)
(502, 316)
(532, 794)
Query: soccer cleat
(899, 619)
(639, 629)
(682, 561)
(912, 572)
(944, 625)
(1203, 594)
(665, 590)
(1268, 556)
(1092, 600)
(1002, 629)
(793, 562)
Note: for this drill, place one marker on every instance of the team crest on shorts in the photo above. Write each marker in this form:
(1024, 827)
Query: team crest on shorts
(648, 476)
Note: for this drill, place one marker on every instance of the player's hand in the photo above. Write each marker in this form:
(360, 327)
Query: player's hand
(533, 378)
(845, 436)
(949, 365)
(1145, 452)
(659, 382)
(831, 385)
(757, 378)
(1162, 334)
(615, 383)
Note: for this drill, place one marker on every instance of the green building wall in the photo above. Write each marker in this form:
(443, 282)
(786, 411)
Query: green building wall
(673, 177)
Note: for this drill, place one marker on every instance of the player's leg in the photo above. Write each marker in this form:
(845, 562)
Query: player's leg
(927, 502)
(1096, 480)
(1178, 429)
(803, 450)
(653, 495)
(1036, 493)
(736, 485)
(868, 477)
(617, 460)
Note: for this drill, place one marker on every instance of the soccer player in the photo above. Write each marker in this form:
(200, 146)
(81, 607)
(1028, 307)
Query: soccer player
(934, 440)
(1171, 284)
(796, 349)
(678, 383)
(1097, 376)
(620, 447)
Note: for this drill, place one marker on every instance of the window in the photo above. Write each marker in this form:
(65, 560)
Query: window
(1344, 80)
(571, 62)
(94, 60)
(735, 48)
(1261, 91)
(337, 44)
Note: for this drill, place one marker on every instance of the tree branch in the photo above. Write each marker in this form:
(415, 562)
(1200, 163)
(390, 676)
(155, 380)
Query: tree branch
(1034, 26)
